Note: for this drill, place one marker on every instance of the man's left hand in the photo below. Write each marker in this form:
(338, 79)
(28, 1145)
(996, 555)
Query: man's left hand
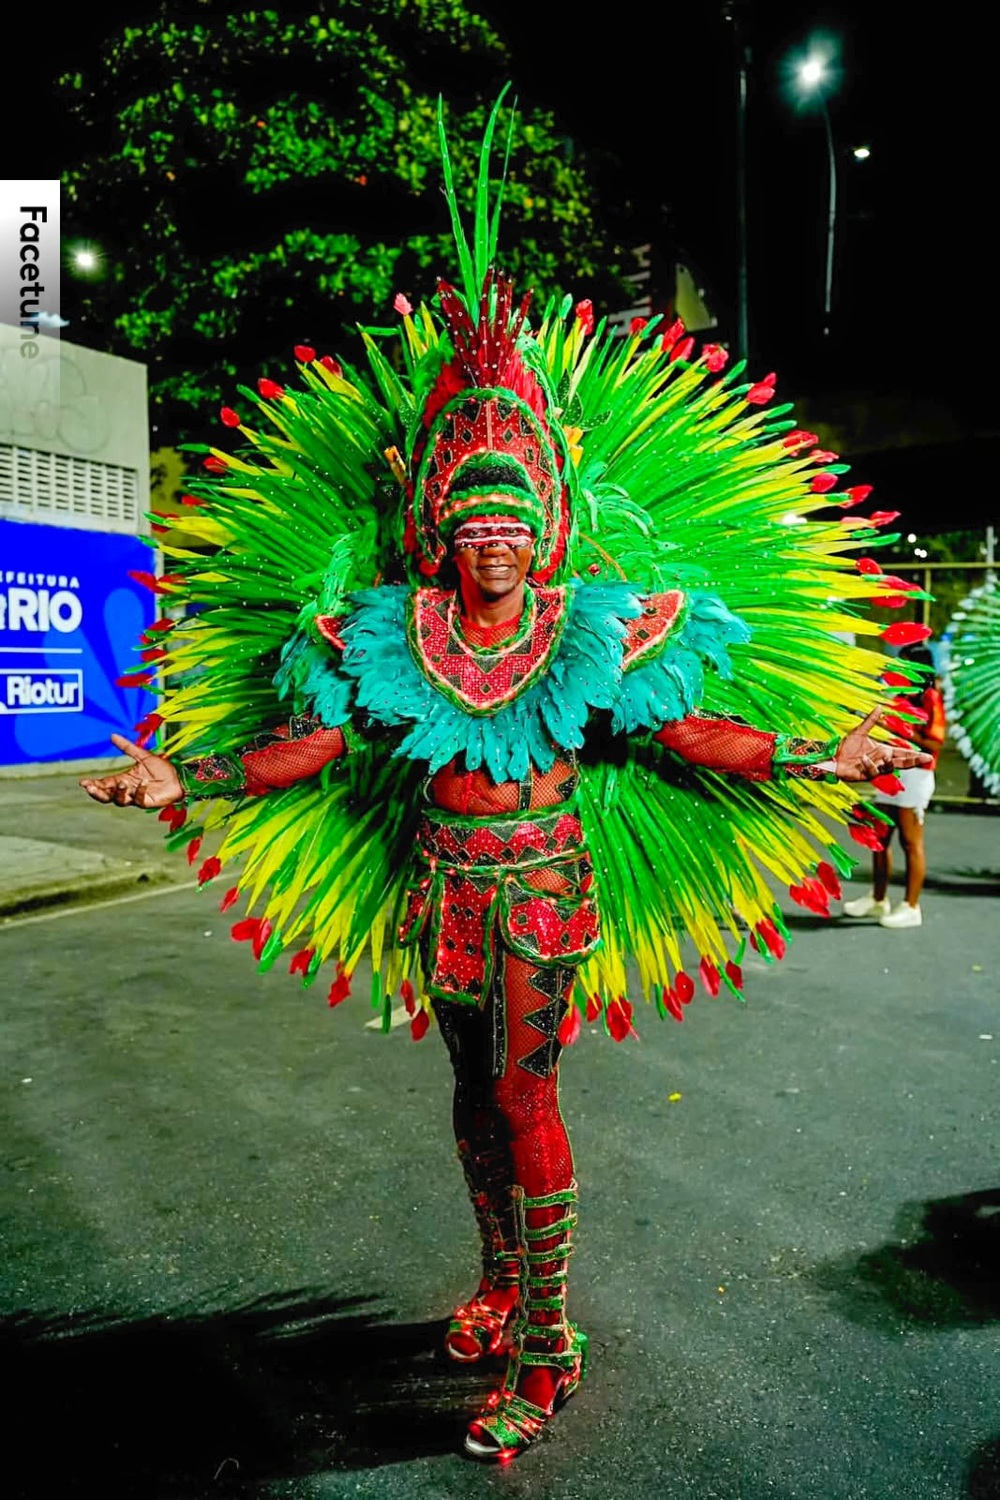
(860, 758)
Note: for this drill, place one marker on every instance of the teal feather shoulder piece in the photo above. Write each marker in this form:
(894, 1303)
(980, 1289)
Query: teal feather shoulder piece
(378, 677)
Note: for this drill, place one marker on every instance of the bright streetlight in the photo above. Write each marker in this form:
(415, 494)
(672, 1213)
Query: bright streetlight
(84, 258)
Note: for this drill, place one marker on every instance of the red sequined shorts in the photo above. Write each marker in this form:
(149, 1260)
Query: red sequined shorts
(525, 881)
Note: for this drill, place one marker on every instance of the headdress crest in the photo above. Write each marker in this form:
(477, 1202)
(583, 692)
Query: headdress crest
(488, 425)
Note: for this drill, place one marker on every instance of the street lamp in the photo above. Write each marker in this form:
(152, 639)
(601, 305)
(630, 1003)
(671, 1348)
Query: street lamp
(732, 11)
(814, 80)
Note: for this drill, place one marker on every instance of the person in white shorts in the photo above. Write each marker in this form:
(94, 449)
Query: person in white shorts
(906, 808)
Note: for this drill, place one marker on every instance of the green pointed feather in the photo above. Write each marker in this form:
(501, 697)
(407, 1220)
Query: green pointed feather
(474, 263)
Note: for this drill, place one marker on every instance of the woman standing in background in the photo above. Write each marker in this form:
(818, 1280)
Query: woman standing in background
(905, 809)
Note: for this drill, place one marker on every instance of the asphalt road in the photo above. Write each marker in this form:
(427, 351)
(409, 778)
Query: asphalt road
(233, 1224)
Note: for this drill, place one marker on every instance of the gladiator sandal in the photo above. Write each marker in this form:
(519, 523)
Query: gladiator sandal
(542, 1334)
(478, 1327)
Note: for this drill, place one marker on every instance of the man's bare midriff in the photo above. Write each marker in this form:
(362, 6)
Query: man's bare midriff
(476, 793)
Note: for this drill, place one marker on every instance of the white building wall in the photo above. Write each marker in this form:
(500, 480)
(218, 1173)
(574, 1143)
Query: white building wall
(74, 437)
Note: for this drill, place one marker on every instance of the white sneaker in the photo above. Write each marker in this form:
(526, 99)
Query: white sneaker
(904, 915)
(867, 906)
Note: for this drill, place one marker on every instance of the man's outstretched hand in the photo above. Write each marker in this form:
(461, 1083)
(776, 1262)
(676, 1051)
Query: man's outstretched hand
(860, 758)
(150, 782)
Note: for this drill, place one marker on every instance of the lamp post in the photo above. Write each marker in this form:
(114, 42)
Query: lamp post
(814, 80)
(733, 12)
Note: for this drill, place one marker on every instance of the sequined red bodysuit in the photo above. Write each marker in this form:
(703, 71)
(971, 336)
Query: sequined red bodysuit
(506, 897)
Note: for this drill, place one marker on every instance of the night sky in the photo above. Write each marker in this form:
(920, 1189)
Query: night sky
(913, 298)
(910, 223)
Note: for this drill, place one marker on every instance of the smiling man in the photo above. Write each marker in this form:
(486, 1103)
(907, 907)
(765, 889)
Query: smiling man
(504, 635)
(502, 905)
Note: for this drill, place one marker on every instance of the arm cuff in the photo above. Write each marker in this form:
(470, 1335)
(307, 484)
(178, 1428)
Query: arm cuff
(813, 760)
(213, 776)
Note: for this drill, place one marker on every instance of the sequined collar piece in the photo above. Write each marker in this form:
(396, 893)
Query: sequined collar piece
(481, 679)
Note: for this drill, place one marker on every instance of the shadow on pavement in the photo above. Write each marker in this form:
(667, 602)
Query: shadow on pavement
(191, 1404)
(941, 1272)
(965, 883)
(984, 1472)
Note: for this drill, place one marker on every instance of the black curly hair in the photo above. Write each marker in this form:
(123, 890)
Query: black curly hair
(920, 654)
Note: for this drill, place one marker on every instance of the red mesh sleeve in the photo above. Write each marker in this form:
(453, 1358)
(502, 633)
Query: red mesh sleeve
(289, 760)
(721, 745)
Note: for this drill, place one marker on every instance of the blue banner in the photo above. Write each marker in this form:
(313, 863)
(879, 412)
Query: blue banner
(70, 619)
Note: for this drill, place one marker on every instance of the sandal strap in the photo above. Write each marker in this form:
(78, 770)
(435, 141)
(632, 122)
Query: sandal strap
(513, 1422)
(566, 1360)
(472, 1315)
(548, 1231)
(553, 1200)
(477, 1320)
(574, 1354)
(553, 1278)
(546, 1304)
(541, 1314)
(560, 1251)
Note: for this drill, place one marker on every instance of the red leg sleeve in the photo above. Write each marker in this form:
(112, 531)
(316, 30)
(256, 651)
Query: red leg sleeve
(527, 1092)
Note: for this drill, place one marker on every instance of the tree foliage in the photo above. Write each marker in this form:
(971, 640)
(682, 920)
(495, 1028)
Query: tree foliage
(265, 178)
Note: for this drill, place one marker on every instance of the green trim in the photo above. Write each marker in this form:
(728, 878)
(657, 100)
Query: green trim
(525, 628)
(437, 814)
(824, 750)
(505, 867)
(229, 785)
(428, 930)
(565, 906)
(565, 1360)
(650, 650)
(562, 1227)
(509, 489)
(788, 763)
(459, 997)
(550, 1200)
(467, 503)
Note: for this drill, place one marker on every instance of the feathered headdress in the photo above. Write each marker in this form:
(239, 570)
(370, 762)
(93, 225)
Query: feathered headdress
(632, 457)
(488, 424)
(486, 429)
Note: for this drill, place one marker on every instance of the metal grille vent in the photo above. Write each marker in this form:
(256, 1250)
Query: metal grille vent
(62, 491)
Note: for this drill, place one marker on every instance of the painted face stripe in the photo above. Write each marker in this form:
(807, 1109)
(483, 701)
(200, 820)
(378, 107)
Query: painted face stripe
(489, 530)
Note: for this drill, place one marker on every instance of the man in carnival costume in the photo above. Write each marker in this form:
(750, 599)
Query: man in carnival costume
(517, 757)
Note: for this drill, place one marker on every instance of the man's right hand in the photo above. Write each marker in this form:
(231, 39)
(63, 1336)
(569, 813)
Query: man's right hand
(150, 782)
